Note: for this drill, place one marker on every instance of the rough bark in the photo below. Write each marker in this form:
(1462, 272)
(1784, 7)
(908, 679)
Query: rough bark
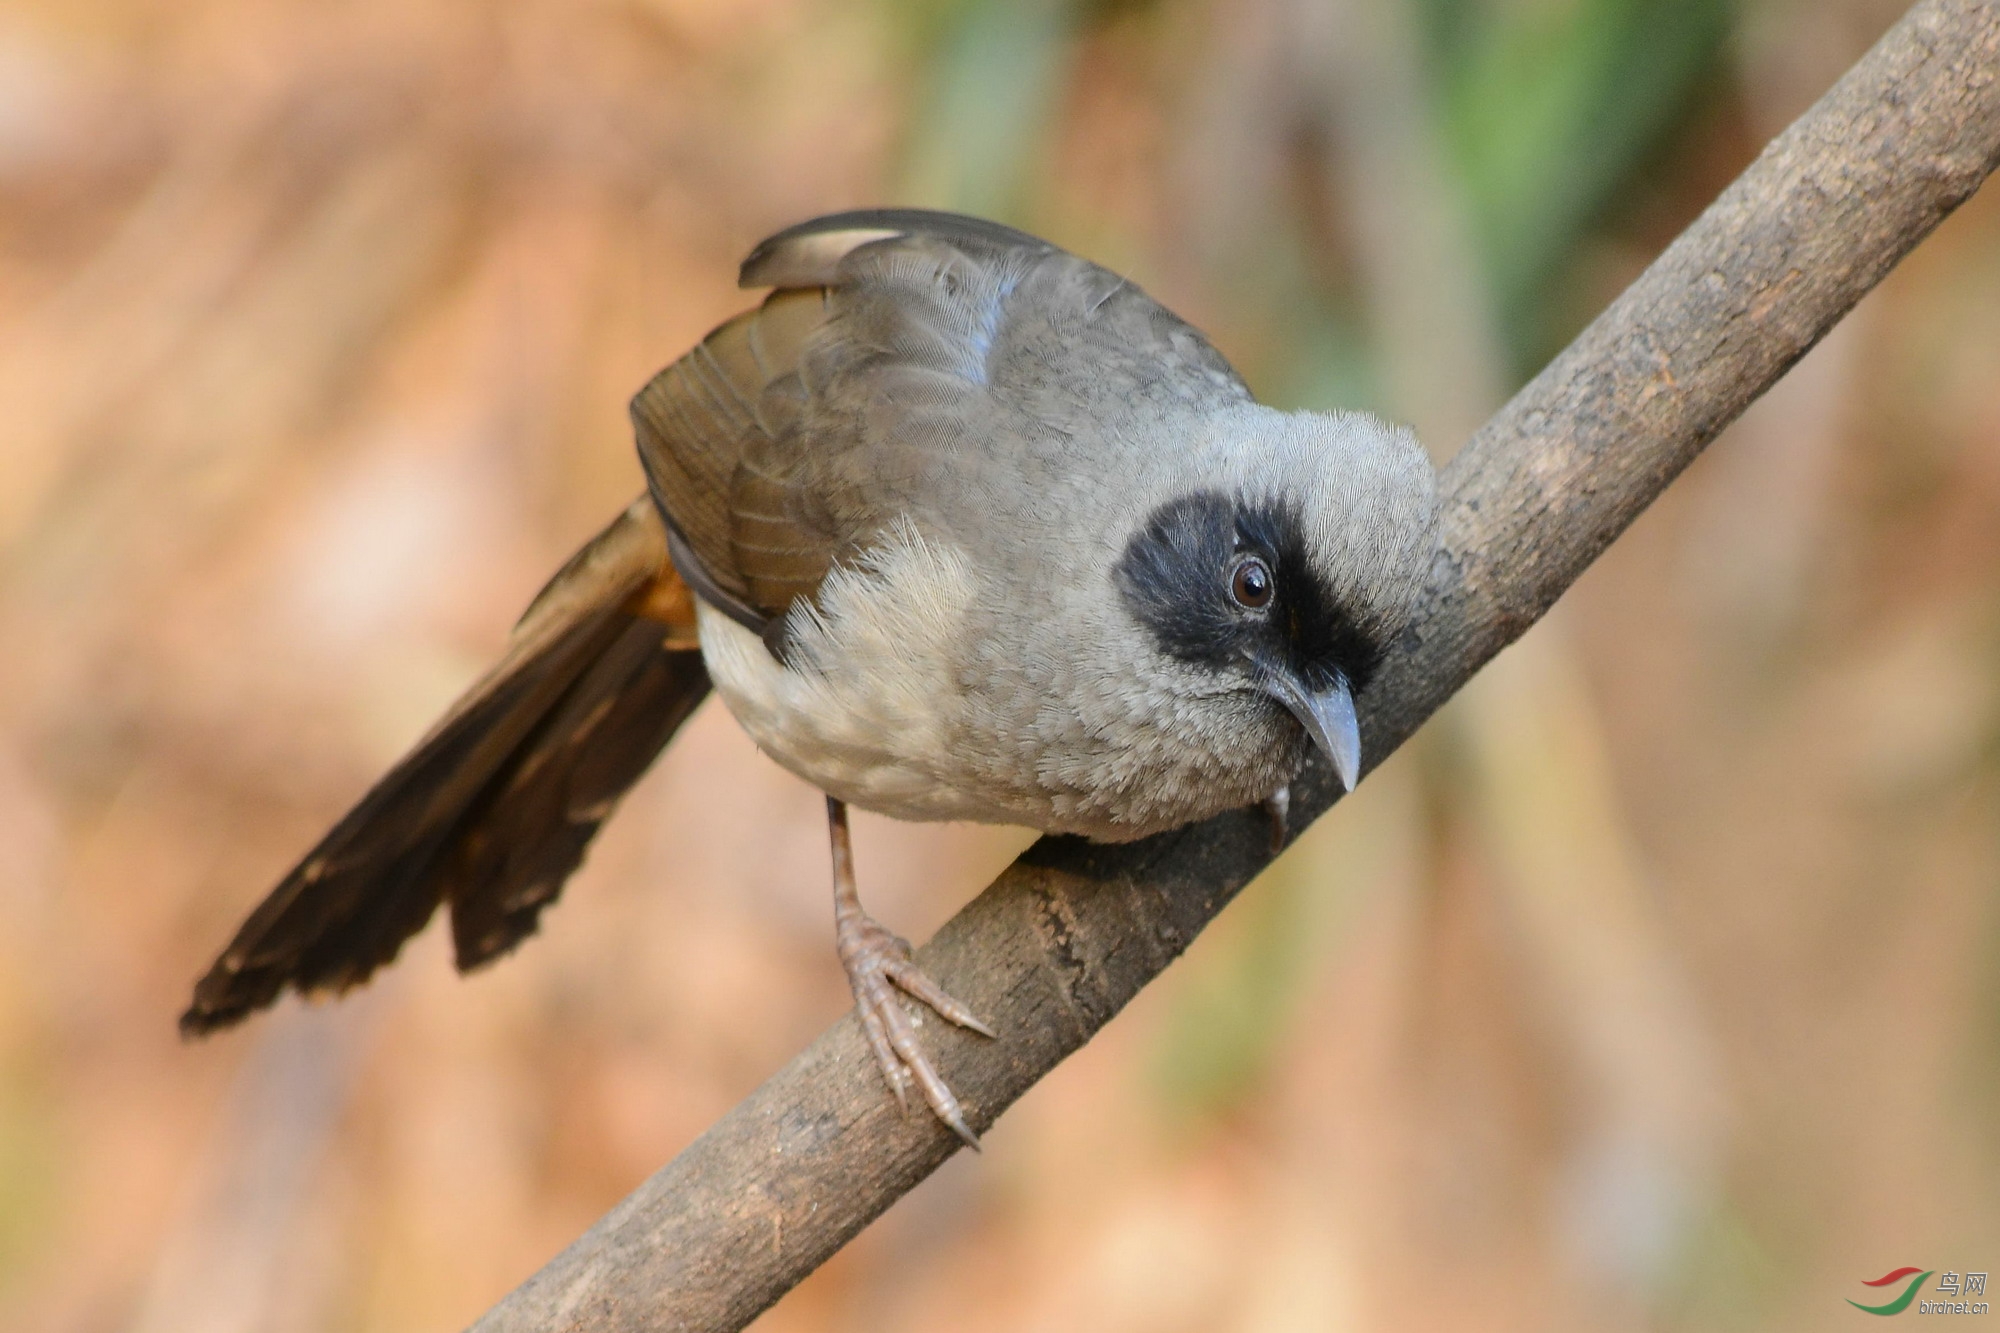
(1061, 941)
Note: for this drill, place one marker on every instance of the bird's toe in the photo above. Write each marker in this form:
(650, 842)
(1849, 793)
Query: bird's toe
(878, 965)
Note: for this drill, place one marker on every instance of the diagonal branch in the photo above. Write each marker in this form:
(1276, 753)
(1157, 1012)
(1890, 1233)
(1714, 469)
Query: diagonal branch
(1063, 939)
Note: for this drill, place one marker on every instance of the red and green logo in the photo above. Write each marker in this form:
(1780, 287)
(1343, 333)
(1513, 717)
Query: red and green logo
(1902, 1302)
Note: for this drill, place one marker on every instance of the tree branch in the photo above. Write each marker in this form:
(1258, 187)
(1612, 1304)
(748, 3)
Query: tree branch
(1061, 941)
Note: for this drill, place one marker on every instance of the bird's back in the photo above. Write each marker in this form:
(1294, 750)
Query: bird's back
(910, 367)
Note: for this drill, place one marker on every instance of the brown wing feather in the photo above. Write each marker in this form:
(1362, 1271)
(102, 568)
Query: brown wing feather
(908, 362)
(603, 649)
(735, 436)
(695, 421)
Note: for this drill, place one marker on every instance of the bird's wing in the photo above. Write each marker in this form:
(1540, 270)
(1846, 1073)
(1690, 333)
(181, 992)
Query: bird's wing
(492, 810)
(897, 346)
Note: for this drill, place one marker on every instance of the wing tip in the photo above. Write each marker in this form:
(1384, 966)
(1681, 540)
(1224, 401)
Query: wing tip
(798, 258)
(807, 254)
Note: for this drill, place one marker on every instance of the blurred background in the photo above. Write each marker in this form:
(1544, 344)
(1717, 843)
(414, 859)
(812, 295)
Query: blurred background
(1656, 985)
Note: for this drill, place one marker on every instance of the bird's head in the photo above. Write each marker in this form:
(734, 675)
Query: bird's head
(1288, 554)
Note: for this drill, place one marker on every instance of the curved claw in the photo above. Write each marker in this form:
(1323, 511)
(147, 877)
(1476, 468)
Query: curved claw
(878, 965)
(1278, 810)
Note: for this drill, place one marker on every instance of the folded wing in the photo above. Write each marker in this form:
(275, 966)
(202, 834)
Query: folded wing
(901, 354)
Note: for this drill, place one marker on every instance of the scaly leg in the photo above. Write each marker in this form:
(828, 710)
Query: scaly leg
(878, 964)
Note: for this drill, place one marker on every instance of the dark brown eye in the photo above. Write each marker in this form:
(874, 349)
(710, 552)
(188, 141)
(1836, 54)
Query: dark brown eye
(1251, 584)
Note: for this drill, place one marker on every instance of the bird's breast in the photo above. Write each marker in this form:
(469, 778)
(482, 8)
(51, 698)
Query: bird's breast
(896, 697)
(866, 704)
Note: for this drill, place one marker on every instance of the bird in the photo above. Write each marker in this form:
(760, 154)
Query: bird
(959, 526)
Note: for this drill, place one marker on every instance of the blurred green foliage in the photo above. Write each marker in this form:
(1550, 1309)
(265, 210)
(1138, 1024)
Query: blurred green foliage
(988, 74)
(1549, 108)
(28, 1153)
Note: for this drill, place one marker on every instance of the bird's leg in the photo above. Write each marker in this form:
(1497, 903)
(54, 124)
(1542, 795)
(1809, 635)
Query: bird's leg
(878, 963)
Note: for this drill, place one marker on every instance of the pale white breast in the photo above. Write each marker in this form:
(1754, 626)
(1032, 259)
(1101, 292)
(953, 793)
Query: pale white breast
(866, 706)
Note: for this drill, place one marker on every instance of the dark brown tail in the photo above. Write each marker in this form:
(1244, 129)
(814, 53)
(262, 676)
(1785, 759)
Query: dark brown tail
(494, 809)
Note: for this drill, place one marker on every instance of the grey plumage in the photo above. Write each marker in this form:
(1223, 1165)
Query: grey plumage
(966, 528)
(918, 476)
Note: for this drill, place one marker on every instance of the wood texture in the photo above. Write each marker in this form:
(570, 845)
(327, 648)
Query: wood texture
(1062, 940)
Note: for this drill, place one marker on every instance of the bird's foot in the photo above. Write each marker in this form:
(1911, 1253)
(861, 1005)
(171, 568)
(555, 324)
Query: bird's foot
(878, 964)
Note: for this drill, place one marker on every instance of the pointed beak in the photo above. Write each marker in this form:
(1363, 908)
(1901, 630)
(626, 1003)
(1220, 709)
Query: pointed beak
(1327, 714)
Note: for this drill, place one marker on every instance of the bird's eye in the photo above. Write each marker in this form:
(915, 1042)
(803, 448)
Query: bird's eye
(1251, 584)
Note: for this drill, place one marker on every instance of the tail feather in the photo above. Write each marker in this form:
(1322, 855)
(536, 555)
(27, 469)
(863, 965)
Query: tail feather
(494, 808)
(536, 820)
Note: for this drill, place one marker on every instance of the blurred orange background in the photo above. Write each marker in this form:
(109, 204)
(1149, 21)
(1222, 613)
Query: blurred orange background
(1656, 985)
